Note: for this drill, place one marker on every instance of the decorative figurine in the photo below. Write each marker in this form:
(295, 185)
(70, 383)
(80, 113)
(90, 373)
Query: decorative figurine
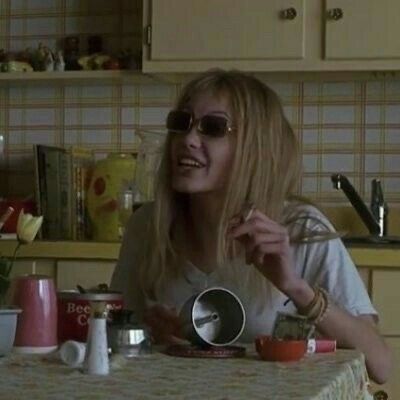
(59, 64)
(49, 60)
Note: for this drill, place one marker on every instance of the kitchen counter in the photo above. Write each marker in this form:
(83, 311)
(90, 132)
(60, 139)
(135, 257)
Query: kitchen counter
(63, 250)
(363, 255)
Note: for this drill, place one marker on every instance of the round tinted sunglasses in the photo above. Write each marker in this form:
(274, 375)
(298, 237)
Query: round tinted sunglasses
(209, 125)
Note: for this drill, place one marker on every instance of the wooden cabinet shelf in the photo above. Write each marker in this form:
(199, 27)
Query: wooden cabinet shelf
(74, 77)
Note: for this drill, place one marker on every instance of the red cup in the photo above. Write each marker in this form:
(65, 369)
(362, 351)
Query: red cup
(271, 349)
(37, 325)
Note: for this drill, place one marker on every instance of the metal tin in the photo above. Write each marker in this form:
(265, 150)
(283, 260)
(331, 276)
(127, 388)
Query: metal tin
(74, 312)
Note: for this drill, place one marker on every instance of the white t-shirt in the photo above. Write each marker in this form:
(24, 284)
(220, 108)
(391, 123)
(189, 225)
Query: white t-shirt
(325, 263)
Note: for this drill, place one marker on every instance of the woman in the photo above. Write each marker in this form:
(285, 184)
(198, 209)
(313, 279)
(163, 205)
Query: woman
(228, 146)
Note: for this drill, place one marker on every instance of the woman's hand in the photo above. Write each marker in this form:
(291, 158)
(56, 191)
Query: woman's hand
(266, 244)
(164, 324)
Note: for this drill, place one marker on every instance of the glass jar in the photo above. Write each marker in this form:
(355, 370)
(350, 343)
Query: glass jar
(148, 160)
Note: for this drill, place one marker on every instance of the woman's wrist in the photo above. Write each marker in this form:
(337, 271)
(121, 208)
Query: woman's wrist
(301, 293)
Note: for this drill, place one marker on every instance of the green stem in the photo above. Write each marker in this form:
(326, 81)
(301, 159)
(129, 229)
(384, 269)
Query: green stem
(13, 258)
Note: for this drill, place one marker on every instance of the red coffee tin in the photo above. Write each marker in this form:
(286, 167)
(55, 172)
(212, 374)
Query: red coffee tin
(74, 312)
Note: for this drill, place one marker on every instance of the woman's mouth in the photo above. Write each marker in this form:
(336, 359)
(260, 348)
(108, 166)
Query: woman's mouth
(188, 162)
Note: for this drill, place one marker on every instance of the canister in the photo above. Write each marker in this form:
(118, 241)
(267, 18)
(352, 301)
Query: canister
(36, 330)
(74, 312)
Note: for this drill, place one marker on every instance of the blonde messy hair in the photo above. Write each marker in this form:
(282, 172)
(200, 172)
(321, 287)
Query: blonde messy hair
(265, 171)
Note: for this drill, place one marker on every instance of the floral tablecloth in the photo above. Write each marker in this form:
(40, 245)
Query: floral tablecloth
(331, 376)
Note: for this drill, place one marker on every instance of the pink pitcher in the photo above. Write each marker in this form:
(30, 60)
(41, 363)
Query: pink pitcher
(37, 324)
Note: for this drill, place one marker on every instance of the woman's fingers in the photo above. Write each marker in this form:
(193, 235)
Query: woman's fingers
(260, 236)
(171, 339)
(258, 222)
(260, 245)
(163, 322)
(266, 245)
(258, 254)
(164, 312)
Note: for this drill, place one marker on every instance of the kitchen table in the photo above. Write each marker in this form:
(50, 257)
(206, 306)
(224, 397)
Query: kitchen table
(330, 376)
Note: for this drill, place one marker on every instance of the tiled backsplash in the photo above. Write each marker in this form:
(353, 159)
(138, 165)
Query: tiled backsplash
(348, 127)
(352, 127)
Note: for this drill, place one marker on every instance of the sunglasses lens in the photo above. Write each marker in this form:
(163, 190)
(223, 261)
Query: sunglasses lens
(179, 121)
(213, 125)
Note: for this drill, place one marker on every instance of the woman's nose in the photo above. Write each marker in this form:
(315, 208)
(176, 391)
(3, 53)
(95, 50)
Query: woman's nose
(193, 138)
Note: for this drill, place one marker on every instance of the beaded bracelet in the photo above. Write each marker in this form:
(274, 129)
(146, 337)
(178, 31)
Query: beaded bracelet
(325, 309)
(310, 308)
(317, 309)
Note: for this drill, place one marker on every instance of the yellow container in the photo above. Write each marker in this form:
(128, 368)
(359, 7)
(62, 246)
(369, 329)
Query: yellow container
(111, 176)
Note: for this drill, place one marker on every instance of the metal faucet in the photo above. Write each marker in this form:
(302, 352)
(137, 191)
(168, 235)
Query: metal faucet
(374, 219)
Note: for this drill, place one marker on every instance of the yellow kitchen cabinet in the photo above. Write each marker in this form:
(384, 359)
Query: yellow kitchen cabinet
(366, 278)
(392, 387)
(271, 36)
(386, 298)
(247, 35)
(226, 29)
(362, 29)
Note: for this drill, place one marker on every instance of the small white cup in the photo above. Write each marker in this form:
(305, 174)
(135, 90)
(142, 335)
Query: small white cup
(72, 353)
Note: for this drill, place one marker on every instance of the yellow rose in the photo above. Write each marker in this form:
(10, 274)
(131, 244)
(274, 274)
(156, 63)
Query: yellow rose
(27, 227)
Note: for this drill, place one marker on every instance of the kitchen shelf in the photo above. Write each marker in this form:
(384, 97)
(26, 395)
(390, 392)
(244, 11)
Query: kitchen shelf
(376, 257)
(63, 250)
(74, 77)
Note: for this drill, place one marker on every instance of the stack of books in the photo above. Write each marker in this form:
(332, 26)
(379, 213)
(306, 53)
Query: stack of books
(61, 180)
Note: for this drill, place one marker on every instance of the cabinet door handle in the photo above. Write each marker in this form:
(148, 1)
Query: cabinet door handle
(381, 395)
(289, 13)
(335, 14)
